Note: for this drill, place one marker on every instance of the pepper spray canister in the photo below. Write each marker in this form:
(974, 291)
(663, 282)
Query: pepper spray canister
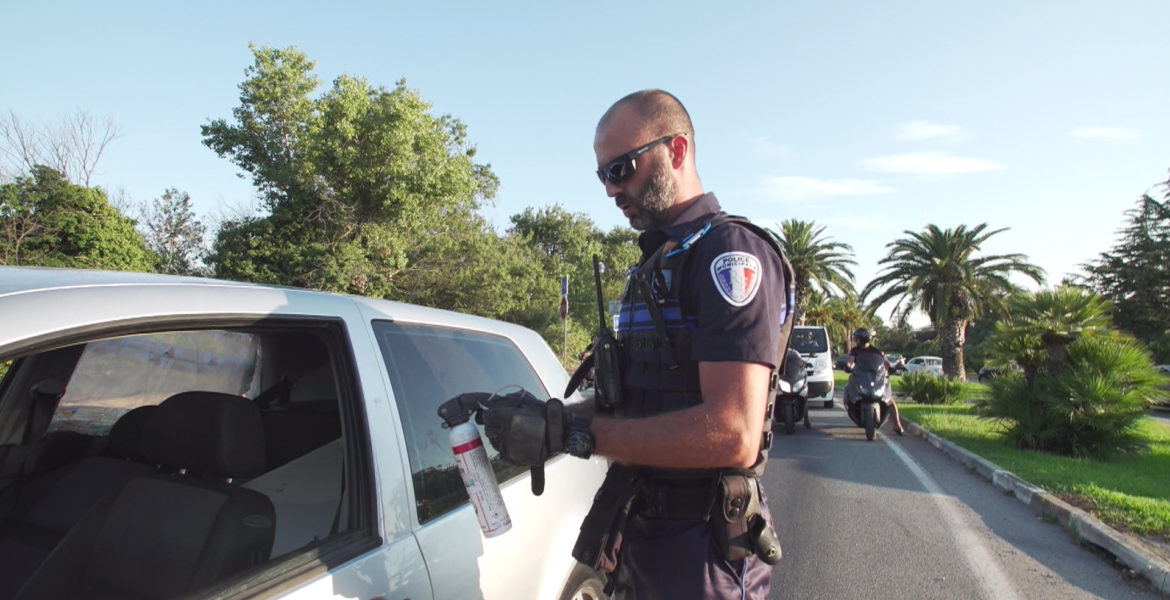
(479, 479)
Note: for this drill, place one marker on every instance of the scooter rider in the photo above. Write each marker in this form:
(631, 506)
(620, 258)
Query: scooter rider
(861, 341)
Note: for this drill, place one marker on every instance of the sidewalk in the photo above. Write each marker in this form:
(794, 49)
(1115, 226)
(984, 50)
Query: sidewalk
(1146, 559)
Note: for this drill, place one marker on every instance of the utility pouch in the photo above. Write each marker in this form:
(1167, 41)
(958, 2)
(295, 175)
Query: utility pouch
(602, 530)
(738, 524)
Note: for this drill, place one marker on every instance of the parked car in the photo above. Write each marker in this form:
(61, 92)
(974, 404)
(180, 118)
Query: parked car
(925, 364)
(185, 436)
(812, 342)
(840, 362)
(989, 372)
(1165, 371)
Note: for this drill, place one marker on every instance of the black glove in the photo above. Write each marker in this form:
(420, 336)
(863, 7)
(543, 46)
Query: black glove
(524, 430)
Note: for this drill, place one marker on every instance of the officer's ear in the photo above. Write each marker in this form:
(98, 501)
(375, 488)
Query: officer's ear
(680, 147)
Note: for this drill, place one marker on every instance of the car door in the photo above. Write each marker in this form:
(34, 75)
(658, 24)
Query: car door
(341, 507)
(429, 363)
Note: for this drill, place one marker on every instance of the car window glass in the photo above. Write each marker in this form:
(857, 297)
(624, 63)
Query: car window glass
(430, 365)
(810, 340)
(116, 375)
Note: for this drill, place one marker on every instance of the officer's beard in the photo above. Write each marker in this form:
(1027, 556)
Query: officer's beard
(652, 201)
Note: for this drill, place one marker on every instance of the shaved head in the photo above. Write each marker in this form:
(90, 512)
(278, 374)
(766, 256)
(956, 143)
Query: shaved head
(659, 113)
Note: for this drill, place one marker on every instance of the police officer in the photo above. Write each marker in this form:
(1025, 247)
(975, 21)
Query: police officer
(704, 318)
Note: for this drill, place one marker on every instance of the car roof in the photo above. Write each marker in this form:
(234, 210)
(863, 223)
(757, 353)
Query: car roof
(66, 298)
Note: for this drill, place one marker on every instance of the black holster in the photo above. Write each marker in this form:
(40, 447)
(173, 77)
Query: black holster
(600, 540)
(607, 378)
(739, 524)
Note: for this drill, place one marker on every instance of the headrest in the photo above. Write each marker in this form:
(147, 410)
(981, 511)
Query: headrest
(207, 433)
(125, 438)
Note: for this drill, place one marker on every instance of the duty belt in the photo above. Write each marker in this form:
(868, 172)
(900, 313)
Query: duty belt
(676, 499)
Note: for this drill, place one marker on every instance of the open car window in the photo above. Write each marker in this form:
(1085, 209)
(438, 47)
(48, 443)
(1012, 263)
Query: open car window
(90, 424)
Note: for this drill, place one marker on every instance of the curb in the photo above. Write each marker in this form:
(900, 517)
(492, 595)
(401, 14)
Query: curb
(1084, 527)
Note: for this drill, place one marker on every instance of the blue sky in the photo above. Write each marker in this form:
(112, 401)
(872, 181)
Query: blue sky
(872, 118)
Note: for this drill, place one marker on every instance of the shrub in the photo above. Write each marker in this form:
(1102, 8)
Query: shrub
(925, 388)
(1087, 410)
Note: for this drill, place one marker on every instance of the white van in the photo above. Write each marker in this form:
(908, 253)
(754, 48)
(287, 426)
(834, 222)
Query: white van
(812, 342)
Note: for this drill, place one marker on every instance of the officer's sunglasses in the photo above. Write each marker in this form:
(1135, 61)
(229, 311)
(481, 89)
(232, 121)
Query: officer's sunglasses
(622, 168)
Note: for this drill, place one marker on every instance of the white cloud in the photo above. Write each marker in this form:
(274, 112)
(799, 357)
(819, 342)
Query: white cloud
(801, 189)
(1105, 133)
(918, 131)
(768, 149)
(929, 163)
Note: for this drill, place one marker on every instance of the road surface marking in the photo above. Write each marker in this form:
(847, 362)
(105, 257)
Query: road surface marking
(992, 580)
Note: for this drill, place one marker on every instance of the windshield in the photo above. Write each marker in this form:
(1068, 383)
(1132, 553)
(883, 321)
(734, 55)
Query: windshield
(869, 361)
(810, 341)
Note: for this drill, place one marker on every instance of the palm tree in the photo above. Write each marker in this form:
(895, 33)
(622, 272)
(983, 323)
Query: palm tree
(820, 264)
(938, 272)
(1053, 319)
(839, 316)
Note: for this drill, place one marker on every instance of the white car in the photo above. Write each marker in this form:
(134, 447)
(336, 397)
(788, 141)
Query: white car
(812, 342)
(171, 437)
(925, 364)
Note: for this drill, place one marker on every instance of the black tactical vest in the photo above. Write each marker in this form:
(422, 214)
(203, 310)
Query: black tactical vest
(657, 373)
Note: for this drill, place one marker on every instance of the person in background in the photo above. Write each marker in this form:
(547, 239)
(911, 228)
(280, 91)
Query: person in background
(861, 343)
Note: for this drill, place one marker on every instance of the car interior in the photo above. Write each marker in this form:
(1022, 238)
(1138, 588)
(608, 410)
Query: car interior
(157, 464)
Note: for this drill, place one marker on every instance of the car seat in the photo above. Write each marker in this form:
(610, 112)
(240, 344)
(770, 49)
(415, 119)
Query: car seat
(177, 530)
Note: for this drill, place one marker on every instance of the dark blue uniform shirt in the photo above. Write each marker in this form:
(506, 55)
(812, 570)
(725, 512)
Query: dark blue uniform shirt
(734, 294)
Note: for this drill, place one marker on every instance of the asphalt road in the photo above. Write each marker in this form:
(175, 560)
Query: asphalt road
(896, 518)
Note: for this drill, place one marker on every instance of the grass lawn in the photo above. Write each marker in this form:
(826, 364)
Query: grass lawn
(1130, 493)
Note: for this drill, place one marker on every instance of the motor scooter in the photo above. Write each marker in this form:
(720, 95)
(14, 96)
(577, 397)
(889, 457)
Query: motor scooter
(792, 394)
(868, 394)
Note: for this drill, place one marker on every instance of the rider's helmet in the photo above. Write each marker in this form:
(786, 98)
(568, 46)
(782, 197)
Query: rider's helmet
(861, 336)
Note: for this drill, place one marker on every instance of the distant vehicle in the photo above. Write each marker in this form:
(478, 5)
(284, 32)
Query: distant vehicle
(925, 364)
(812, 342)
(989, 372)
(1164, 402)
(840, 362)
(897, 363)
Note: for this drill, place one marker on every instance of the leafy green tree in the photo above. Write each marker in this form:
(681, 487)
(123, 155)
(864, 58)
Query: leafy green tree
(175, 234)
(565, 244)
(938, 271)
(896, 338)
(475, 271)
(47, 221)
(819, 263)
(361, 185)
(1135, 274)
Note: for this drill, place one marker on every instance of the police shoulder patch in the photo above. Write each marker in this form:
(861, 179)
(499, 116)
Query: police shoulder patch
(737, 277)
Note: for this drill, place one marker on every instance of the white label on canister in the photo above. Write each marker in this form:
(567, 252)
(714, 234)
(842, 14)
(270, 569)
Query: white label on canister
(480, 481)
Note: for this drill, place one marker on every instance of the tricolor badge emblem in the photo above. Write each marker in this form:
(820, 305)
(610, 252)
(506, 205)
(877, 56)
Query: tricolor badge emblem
(737, 277)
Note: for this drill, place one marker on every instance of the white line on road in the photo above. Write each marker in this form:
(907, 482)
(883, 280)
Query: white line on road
(983, 565)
